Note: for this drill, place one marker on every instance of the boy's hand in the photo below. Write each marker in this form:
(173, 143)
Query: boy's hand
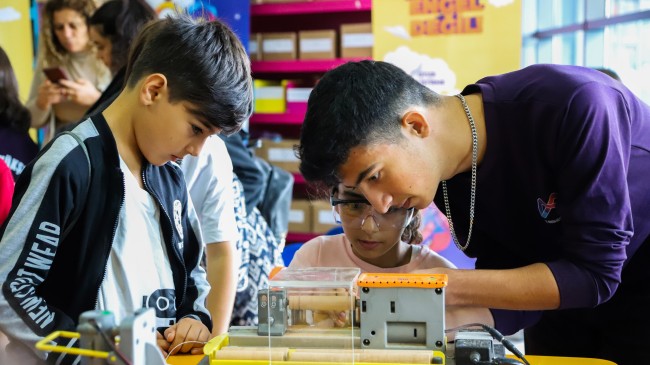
(187, 329)
(163, 344)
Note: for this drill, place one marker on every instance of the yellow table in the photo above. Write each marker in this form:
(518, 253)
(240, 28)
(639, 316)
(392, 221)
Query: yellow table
(534, 360)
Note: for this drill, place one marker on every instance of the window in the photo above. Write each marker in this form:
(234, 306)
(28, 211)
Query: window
(591, 33)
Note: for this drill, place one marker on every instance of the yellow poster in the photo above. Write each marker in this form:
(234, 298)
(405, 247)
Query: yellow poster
(447, 44)
(16, 40)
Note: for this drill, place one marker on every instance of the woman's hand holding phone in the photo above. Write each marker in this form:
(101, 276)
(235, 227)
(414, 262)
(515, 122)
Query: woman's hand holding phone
(82, 91)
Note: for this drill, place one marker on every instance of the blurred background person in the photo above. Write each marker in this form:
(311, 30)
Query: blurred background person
(112, 28)
(65, 50)
(17, 149)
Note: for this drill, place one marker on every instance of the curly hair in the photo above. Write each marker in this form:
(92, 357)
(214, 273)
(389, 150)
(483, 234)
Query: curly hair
(53, 51)
(13, 114)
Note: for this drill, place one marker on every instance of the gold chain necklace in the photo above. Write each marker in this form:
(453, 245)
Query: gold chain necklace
(472, 126)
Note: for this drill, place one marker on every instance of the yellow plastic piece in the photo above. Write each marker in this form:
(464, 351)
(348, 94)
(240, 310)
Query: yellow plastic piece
(394, 280)
(44, 345)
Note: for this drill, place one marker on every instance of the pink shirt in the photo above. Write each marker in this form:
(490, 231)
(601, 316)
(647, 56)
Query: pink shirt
(6, 190)
(335, 251)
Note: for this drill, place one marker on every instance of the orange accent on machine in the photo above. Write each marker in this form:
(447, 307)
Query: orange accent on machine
(395, 280)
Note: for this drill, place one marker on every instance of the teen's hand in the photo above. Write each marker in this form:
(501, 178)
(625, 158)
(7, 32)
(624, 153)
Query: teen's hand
(48, 94)
(81, 91)
(186, 330)
(163, 344)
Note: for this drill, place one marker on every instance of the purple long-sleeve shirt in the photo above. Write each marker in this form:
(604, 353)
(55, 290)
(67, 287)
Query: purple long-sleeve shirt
(562, 182)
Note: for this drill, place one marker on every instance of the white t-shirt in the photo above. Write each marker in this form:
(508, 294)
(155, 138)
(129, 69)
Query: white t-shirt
(138, 272)
(209, 181)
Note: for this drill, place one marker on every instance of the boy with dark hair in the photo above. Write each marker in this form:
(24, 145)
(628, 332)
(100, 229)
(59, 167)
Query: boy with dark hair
(113, 229)
(545, 171)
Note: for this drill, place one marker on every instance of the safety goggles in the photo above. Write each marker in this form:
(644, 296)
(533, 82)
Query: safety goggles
(352, 213)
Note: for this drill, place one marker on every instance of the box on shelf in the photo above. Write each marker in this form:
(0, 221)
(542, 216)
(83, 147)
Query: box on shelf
(300, 216)
(254, 49)
(356, 40)
(269, 96)
(317, 44)
(279, 46)
(297, 95)
(280, 153)
(322, 216)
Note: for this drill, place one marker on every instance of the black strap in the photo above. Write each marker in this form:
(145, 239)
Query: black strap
(77, 212)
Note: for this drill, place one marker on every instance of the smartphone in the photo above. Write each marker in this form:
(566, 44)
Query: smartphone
(55, 74)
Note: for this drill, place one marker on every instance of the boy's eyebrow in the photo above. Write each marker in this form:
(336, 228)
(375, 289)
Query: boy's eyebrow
(362, 175)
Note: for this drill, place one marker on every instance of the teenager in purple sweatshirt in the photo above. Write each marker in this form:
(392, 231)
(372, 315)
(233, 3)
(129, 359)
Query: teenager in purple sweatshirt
(544, 171)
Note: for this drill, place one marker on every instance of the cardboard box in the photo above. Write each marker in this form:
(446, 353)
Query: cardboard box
(297, 95)
(254, 49)
(322, 216)
(357, 40)
(317, 44)
(300, 216)
(279, 46)
(280, 153)
(269, 96)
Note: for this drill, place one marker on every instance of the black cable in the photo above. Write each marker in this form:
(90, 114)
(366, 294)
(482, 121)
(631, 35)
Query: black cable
(109, 342)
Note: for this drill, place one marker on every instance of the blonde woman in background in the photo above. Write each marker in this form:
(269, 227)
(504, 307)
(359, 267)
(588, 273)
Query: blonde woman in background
(64, 43)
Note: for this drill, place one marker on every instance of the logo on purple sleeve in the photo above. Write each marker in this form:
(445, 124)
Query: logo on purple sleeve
(545, 208)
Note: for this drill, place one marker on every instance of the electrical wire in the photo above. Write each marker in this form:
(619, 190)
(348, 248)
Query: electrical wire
(181, 344)
(497, 336)
(109, 342)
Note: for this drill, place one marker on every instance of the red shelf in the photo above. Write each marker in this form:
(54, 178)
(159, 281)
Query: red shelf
(301, 237)
(299, 66)
(311, 7)
(280, 118)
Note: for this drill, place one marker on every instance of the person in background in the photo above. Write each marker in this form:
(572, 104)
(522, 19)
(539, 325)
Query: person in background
(112, 222)
(64, 44)
(609, 72)
(17, 148)
(209, 180)
(545, 171)
(113, 26)
(6, 193)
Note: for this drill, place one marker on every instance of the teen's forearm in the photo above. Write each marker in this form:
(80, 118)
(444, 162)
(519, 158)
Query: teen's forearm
(222, 261)
(531, 287)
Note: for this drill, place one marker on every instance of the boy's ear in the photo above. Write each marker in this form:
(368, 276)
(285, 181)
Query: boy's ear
(415, 123)
(154, 87)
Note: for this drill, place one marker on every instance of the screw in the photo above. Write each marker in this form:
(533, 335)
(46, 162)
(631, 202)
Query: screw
(366, 342)
(365, 289)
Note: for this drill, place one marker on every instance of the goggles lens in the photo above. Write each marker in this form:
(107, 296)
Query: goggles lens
(353, 214)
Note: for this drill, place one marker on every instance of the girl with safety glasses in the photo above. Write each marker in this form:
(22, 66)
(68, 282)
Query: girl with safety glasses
(372, 241)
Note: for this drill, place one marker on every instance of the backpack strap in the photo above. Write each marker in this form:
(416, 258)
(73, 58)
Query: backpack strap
(77, 212)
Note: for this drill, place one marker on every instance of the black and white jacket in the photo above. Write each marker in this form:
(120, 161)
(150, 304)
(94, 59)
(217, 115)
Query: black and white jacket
(50, 272)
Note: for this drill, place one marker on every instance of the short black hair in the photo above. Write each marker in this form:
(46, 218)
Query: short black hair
(205, 65)
(120, 21)
(358, 103)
